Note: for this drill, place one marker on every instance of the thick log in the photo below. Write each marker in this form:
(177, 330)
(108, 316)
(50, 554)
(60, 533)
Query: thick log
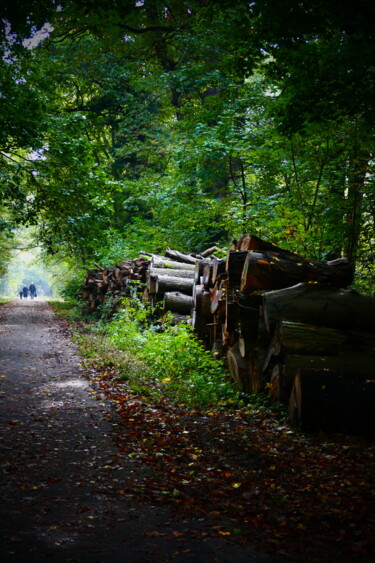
(232, 315)
(218, 268)
(218, 300)
(249, 311)
(251, 242)
(202, 303)
(269, 270)
(320, 304)
(333, 400)
(163, 262)
(360, 362)
(234, 266)
(152, 284)
(171, 272)
(300, 338)
(169, 283)
(308, 340)
(207, 275)
(238, 368)
(255, 360)
(177, 302)
(209, 251)
(179, 257)
(199, 268)
(201, 314)
(276, 386)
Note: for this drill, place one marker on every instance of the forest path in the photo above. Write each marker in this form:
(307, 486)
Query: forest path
(59, 461)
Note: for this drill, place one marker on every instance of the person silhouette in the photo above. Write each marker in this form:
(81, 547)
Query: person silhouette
(32, 290)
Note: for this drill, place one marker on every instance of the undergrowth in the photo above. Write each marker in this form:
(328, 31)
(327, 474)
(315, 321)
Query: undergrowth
(158, 361)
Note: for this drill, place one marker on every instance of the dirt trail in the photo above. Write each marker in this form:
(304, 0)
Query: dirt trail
(59, 461)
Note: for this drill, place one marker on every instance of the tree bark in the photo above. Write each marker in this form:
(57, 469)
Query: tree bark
(207, 275)
(218, 268)
(201, 313)
(179, 257)
(163, 262)
(251, 242)
(308, 340)
(238, 368)
(234, 265)
(175, 273)
(333, 400)
(199, 269)
(269, 270)
(209, 251)
(169, 283)
(320, 304)
(177, 302)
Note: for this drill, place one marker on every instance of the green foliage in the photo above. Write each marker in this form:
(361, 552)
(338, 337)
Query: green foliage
(136, 127)
(179, 362)
(177, 365)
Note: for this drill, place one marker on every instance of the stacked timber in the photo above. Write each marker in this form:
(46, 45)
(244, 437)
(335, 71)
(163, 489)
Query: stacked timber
(120, 280)
(281, 320)
(167, 280)
(285, 325)
(171, 281)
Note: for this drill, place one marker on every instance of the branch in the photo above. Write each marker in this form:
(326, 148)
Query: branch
(5, 155)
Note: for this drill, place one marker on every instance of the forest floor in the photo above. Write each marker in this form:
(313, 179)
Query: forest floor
(92, 473)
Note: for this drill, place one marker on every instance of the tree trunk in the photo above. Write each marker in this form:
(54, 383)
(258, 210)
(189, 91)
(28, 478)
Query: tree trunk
(175, 273)
(199, 269)
(152, 284)
(332, 400)
(320, 304)
(207, 275)
(201, 313)
(163, 262)
(169, 283)
(249, 311)
(218, 268)
(255, 368)
(209, 251)
(359, 163)
(251, 242)
(268, 270)
(177, 302)
(232, 315)
(179, 257)
(308, 340)
(277, 386)
(234, 265)
(238, 368)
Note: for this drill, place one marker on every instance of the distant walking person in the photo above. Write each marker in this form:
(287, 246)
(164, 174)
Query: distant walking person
(21, 293)
(25, 291)
(32, 290)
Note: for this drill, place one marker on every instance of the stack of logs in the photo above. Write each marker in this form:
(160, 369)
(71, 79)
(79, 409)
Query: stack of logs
(284, 324)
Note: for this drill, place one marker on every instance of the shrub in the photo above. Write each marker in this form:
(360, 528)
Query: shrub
(178, 365)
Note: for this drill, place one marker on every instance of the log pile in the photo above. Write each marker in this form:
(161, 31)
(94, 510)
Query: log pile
(285, 325)
(120, 280)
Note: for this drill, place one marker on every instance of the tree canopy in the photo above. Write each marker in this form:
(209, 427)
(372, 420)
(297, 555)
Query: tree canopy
(145, 124)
